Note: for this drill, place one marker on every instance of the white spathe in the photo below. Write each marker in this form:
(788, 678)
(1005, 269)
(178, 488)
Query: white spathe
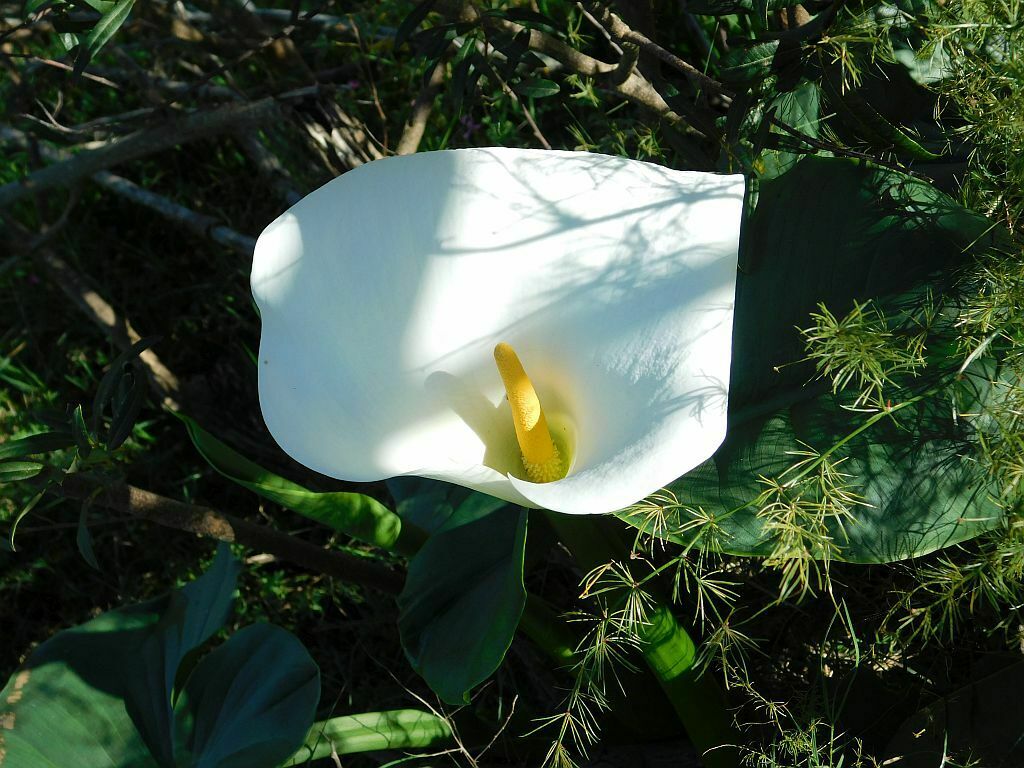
(383, 294)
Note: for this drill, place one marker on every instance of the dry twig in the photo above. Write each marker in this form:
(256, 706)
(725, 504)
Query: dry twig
(205, 521)
(148, 141)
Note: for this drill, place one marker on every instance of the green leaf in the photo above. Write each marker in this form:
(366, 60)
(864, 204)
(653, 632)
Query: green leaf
(726, 7)
(881, 231)
(107, 27)
(830, 231)
(111, 380)
(34, 6)
(125, 407)
(399, 729)
(799, 109)
(67, 706)
(464, 595)
(248, 703)
(83, 538)
(81, 433)
(354, 514)
(44, 442)
(22, 514)
(12, 471)
(869, 124)
(424, 503)
(981, 720)
(412, 21)
(189, 618)
(743, 65)
(537, 88)
(99, 695)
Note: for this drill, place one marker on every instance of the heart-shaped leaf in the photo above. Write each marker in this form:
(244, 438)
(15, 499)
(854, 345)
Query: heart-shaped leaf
(99, 695)
(464, 595)
(920, 488)
(249, 702)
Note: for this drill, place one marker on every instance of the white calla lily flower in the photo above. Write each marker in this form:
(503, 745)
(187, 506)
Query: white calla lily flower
(384, 294)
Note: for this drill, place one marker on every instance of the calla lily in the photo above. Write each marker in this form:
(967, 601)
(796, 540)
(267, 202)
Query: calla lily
(384, 294)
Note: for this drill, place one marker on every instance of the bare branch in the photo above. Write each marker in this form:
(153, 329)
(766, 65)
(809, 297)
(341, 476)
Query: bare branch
(636, 88)
(412, 134)
(620, 30)
(268, 166)
(148, 141)
(201, 225)
(205, 521)
(164, 383)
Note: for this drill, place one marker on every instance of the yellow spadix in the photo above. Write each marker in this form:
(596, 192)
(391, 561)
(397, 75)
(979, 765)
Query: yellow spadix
(541, 458)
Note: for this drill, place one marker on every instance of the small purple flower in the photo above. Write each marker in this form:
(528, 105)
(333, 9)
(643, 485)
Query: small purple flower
(469, 126)
(354, 84)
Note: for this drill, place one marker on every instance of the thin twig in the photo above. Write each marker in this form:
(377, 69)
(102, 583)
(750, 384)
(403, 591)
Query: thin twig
(268, 166)
(200, 224)
(170, 133)
(636, 88)
(164, 383)
(622, 31)
(205, 521)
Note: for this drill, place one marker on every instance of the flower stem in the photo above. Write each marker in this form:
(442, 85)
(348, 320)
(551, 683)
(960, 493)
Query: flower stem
(668, 649)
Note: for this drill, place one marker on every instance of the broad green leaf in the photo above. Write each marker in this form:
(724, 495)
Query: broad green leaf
(372, 732)
(981, 721)
(248, 703)
(799, 109)
(464, 595)
(99, 695)
(833, 231)
(424, 503)
(67, 706)
(191, 616)
(355, 514)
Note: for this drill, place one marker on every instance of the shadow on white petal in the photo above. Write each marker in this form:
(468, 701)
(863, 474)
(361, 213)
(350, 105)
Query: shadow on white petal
(383, 294)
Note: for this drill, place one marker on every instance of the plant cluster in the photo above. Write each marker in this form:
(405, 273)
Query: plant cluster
(828, 589)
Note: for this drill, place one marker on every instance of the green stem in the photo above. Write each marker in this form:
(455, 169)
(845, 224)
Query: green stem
(372, 732)
(547, 630)
(668, 649)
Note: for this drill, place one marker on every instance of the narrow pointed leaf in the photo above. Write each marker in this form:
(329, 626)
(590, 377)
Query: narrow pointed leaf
(355, 514)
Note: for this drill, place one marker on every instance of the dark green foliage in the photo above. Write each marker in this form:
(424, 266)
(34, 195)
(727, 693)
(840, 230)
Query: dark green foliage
(464, 595)
(105, 694)
(809, 473)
